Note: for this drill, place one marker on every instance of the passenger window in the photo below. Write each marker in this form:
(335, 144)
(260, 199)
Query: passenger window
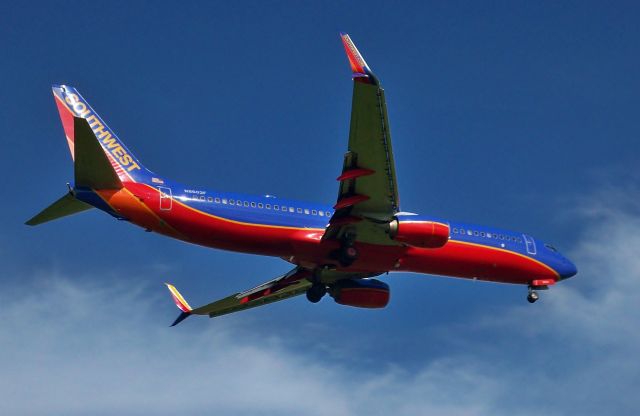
(291, 209)
(320, 213)
(276, 207)
(253, 205)
(284, 208)
(314, 212)
(202, 198)
(489, 235)
(260, 205)
(455, 231)
(306, 211)
(461, 230)
(475, 233)
(482, 234)
(224, 201)
(268, 206)
(246, 204)
(501, 237)
(210, 199)
(217, 200)
(469, 232)
(299, 210)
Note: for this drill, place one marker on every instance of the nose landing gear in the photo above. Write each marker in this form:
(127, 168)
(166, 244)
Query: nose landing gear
(538, 284)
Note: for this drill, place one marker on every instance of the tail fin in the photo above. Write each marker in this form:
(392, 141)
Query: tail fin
(92, 166)
(72, 105)
(180, 303)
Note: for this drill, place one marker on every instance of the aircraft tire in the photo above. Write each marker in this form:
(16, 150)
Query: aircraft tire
(316, 292)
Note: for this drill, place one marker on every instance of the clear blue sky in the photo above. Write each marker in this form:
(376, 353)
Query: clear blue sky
(515, 114)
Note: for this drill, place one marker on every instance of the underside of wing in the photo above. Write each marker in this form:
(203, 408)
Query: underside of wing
(291, 284)
(368, 192)
(346, 288)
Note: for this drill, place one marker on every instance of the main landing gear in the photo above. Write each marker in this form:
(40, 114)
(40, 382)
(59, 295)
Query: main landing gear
(318, 289)
(533, 295)
(316, 292)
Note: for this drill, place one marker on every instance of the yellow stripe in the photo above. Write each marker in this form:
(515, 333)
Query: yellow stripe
(505, 251)
(177, 294)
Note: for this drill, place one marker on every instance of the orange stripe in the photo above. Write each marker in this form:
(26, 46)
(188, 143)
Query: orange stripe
(154, 214)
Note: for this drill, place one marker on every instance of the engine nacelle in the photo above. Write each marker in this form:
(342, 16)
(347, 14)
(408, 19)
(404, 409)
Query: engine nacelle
(420, 233)
(361, 293)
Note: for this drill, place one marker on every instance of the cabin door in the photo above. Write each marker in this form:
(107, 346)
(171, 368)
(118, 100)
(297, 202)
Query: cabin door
(165, 198)
(530, 243)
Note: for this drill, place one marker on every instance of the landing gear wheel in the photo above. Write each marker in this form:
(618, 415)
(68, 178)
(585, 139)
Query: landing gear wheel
(316, 292)
(532, 296)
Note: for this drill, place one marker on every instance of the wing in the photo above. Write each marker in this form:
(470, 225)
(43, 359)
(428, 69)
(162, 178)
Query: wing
(291, 284)
(368, 192)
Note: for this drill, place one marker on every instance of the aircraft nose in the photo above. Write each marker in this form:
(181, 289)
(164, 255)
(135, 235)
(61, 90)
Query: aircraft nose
(567, 269)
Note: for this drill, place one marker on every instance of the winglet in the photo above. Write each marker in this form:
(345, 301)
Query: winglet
(181, 303)
(359, 67)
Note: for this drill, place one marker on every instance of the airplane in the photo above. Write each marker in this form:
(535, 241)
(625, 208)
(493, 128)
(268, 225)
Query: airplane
(336, 249)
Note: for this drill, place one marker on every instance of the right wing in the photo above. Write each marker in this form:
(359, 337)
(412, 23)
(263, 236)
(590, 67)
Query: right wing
(368, 192)
(291, 284)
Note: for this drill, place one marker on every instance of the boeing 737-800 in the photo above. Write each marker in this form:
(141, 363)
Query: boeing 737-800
(334, 248)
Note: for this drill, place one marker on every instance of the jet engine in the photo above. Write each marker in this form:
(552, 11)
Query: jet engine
(361, 293)
(423, 234)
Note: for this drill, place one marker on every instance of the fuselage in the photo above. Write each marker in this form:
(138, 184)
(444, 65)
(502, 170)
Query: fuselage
(293, 230)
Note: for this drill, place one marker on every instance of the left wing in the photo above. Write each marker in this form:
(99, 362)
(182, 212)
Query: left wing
(291, 284)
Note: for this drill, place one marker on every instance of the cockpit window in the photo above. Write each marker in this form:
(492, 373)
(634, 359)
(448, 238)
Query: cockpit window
(552, 248)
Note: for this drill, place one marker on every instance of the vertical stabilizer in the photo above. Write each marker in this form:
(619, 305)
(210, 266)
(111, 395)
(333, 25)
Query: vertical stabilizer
(72, 105)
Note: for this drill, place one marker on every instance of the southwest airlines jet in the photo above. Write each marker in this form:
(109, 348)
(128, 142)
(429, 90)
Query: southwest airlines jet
(336, 249)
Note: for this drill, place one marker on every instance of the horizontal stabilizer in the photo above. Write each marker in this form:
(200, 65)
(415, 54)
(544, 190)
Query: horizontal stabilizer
(67, 205)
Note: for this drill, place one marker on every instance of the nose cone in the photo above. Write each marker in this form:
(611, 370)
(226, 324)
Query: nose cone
(566, 268)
